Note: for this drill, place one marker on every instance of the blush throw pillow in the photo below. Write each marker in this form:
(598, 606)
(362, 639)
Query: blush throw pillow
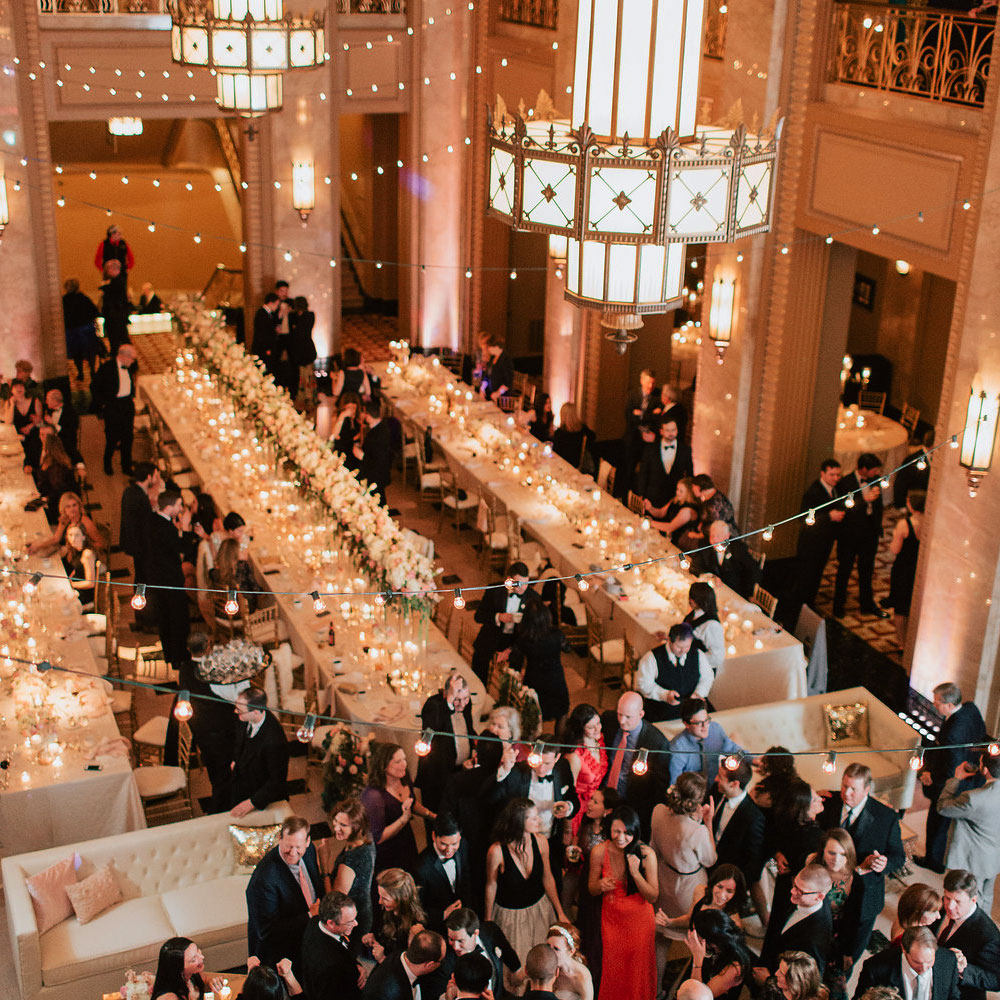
(48, 893)
(94, 895)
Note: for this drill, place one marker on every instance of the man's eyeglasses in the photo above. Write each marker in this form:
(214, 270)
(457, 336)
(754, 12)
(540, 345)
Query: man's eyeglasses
(805, 892)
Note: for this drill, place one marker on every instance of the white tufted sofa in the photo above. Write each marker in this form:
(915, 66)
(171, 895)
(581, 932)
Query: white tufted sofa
(800, 724)
(178, 879)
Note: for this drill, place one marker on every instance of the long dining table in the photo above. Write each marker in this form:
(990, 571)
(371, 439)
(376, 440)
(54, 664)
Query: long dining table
(383, 663)
(584, 530)
(65, 779)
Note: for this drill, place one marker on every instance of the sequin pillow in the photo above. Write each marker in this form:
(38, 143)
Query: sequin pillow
(48, 893)
(846, 725)
(251, 843)
(94, 895)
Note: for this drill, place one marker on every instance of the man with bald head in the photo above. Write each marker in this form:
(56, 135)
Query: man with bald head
(626, 732)
(693, 989)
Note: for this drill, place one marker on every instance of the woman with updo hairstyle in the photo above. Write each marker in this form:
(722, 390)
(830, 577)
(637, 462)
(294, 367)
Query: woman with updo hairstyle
(265, 983)
(704, 620)
(574, 981)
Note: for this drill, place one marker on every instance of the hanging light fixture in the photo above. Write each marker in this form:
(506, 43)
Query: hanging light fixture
(303, 189)
(721, 315)
(979, 437)
(631, 178)
(124, 126)
(247, 44)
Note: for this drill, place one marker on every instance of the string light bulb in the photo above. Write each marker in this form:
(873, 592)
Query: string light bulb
(510, 584)
(459, 601)
(31, 585)
(917, 759)
(423, 745)
(953, 443)
(685, 563)
(768, 533)
(922, 464)
(582, 583)
(307, 730)
(732, 761)
(993, 749)
(884, 482)
(183, 709)
(720, 547)
(535, 757)
(641, 763)
(830, 764)
(849, 501)
(319, 605)
(381, 600)
(232, 606)
(138, 601)
(811, 517)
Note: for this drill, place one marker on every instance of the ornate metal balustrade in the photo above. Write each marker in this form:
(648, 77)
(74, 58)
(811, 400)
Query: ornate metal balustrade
(536, 13)
(102, 7)
(716, 23)
(371, 6)
(917, 51)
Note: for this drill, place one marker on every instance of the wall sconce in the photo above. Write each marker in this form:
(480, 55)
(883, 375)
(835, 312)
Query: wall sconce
(124, 126)
(979, 437)
(4, 209)
(303, 190)
(902, 267)
(721, 314)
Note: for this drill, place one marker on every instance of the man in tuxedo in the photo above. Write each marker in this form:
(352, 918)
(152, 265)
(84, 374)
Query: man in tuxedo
(399, 977)
(875, 830)
(626, 732)
(962, 724)
(669, 673)
(467, 936)
(443, 874)
(136, 511)
(376, 455)
(915, 967)
(665, 461)
(329, 971)
(260, 756)
(283, 894)
(967, 930)
(802, 923)
(859, 534)
(816, 540)
(162, 565)
(640, 415)
(734, 565)
(265, 331)
(65, 421)
(698, 746)
(471, 977)
(974, 843)
(541, 967)
(496, 614)
(448, 713)
(113, 391)
(549, 784)
(738, 823)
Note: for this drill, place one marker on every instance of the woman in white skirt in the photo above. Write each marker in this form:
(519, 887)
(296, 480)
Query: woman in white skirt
(521, 895)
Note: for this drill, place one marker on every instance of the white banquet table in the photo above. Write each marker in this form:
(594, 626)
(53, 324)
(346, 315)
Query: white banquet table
(877, 434)
(350, 678)
(763, 662)
(48, 804)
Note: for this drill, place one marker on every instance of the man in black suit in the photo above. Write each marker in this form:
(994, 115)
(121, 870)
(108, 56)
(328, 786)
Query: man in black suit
(801, 923)
(443, 875)
(283, 894)
(626, 733)
(859, 534)
(671, 408)
(260, 756)
(549, 784)
(136, 512)
(113, 391)
(329, 971)
(640, 414)
(448, 713)
(875, 830)
(734, 565)
(376, 455)
(467, 935)
(498, 377)
(541, 967)
(816, 540)
(398, 977)
(149, 301)
(162, 564)
(265, 331)
(970, 934)
(738, 823)
(471, 977)
(664, 461)
(915, 967)
(496, 614)
(963, 724)
(61, 416)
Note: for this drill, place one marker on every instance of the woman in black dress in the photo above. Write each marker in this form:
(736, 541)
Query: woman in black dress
(541, 417)
(25, 413)
(55, 475)
(537, 654)
(793, 835)
(905, 546)
(571, 439)
(352, 377)
(346, 428)
(354, 866)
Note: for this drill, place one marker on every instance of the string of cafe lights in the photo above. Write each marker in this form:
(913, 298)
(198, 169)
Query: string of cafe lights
(382, 598)
(183, 711)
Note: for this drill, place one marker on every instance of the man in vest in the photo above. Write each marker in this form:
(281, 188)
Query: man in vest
(671, 672)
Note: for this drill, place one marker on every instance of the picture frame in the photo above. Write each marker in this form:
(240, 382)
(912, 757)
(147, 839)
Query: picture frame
(864, 291)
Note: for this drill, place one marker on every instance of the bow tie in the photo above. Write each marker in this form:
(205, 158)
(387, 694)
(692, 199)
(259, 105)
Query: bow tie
(545, 777)
(669, 447)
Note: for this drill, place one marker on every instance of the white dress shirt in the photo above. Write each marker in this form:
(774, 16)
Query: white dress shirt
(728, 808)
(799, 914)
(543, 794)
(124, 382)
(645, 682)
(412, 976)
(916, 987)
(948, 927)
(668, 452)
(513, 607)
(713, 637)
(850, 815)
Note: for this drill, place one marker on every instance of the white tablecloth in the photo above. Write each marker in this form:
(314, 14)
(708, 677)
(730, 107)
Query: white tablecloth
(878, 435)
(764, 663)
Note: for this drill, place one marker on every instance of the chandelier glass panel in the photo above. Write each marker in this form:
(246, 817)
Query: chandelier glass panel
(632, 178)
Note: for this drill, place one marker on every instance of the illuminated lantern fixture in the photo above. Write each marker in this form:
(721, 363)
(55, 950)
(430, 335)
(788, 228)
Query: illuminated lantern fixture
(979, 437)
(247, 44)
(721, 315)
(124, 126)
(632, 178)
(4, 208)
(303, 190)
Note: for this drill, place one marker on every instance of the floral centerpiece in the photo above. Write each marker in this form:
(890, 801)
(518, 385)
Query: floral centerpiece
(137, 985)
(347, 759)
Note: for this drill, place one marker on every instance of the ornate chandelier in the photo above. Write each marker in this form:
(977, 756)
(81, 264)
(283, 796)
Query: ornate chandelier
(247, 44)
(631, 179)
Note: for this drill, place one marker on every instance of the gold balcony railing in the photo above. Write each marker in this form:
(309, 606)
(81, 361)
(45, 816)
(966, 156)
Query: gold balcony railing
(102, 7)
(716, 24)
(918, 51)
(536, 13)
(371, 6)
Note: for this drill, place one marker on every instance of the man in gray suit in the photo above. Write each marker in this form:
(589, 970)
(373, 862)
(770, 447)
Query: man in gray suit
(974, 841)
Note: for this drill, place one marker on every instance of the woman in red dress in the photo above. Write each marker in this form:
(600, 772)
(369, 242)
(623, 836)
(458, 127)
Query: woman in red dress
(623, 869)
(589, 761)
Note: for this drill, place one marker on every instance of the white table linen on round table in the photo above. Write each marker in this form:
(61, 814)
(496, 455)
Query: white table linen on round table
(763, 663)
(878, 435)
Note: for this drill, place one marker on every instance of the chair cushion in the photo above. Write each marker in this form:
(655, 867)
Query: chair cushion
(209, 912)
(498, 540)
(157, 781)
(453, 501)
(121, 702)
(430, 481)
(126, 935)
(152, 733)
(294, 701)
(96, 623)
(613, 650)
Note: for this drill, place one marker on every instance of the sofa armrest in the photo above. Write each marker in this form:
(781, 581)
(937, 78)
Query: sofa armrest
(886, 730)
(24, 944)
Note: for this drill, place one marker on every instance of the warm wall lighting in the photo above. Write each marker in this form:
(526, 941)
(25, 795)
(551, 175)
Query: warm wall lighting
(722, 314)
(979, 437)
(558, 247)
(902, 267)
(4, 207)
(303, 189)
